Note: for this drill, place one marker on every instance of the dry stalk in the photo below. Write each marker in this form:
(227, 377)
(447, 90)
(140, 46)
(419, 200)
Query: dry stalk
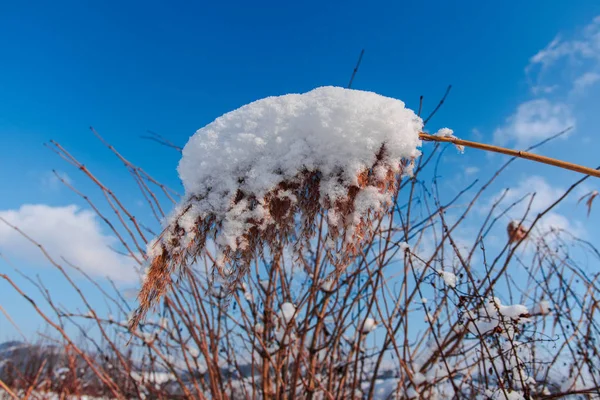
(514, 153)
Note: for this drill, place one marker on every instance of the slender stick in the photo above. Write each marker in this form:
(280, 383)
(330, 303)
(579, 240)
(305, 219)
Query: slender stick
(7, 390)
(9, 318)
(510, 152)
(362, 52)
(440, 104)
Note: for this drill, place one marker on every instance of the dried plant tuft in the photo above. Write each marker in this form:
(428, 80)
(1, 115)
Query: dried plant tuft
(285, 215)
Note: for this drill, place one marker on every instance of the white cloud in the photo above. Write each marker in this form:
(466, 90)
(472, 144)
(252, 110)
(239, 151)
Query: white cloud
(68, 232)
(544, 89)
(558, 49)
(574, 61)
(545, 194)
(560, 73)
(534, 121)
(584, 45)
(584, 81)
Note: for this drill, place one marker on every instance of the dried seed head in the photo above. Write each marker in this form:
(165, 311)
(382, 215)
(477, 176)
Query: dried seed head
(516, 231)
(287, 213)
(590, 199)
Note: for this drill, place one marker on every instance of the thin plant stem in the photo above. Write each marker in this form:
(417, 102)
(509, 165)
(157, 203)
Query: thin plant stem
(515, 153)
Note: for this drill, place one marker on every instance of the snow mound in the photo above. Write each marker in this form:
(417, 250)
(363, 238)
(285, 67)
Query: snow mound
(262, 152)
(258, 174)
(334, 130)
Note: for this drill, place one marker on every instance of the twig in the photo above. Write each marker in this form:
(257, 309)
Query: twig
(435, 110)
(356, 68)
(515, 153)
(161, 140)
(7, 389)
(9, 318)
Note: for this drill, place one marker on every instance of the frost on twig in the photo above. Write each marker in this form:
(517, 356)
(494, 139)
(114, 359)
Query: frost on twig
(257, 178)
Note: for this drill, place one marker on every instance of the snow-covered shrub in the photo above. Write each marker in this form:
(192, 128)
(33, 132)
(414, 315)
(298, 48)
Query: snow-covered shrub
(356, 285)
(261, 174)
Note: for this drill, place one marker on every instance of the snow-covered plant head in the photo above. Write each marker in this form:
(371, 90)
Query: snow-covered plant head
(259, 177)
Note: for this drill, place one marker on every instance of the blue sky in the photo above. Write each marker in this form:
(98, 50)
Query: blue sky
(126, 68)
